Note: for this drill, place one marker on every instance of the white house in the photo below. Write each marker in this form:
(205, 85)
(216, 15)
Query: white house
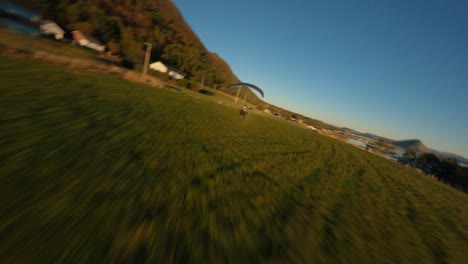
(87, 41)
(50, 28)
(173, 72)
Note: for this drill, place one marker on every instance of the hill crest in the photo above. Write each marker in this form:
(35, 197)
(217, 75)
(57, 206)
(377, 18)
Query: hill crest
(415, 145)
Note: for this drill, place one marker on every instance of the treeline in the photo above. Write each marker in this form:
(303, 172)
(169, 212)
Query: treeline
(444, 169)
(125, 25)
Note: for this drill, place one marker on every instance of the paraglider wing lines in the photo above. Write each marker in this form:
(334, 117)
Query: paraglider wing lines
(256, 88)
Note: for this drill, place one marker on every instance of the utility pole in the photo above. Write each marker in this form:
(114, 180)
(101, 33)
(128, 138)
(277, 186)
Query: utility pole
(202, 82)
(147, 58)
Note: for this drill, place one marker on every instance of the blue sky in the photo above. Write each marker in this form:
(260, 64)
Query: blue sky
(396, 68)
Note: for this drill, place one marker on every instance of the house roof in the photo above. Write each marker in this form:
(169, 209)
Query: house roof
(172, 68)
(51, 26)
(89, 38)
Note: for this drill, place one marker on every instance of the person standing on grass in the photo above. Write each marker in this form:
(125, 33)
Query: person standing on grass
(243, 111)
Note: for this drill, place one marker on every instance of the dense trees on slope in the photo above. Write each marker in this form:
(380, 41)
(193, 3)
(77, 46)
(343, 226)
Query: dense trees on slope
(445, 169)
(124, 25)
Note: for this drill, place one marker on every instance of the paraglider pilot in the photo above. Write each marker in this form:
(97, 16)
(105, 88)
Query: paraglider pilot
(243, 111)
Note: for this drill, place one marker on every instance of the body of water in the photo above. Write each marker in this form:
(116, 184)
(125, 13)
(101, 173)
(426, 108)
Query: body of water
(357, 142)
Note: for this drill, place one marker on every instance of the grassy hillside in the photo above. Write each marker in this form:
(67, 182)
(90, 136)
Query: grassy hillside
(95, 169)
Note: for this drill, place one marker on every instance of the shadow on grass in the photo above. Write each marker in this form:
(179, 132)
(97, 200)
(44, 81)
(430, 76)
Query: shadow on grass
(205, 92)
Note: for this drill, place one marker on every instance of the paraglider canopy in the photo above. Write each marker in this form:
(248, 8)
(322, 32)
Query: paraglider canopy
(251, 86)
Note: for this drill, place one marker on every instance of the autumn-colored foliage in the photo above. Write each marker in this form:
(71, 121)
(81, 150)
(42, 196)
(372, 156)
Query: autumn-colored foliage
(124, 26)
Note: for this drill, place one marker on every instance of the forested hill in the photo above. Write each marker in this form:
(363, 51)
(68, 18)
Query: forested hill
(223, 67)
(124, 25)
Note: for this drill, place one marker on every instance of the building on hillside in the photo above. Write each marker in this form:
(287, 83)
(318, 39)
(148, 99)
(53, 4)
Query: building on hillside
(87, 41)
(50, 28)
(19, 17)
(173, 72)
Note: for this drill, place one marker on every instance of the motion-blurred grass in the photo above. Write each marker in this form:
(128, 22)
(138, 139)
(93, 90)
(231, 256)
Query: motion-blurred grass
(96, 169)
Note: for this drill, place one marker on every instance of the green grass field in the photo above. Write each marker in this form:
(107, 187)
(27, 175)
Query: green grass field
(98, 170)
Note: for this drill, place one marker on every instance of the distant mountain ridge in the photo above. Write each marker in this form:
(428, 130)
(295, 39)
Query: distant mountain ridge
(450, 155)
(412, 145)
(415, 145)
